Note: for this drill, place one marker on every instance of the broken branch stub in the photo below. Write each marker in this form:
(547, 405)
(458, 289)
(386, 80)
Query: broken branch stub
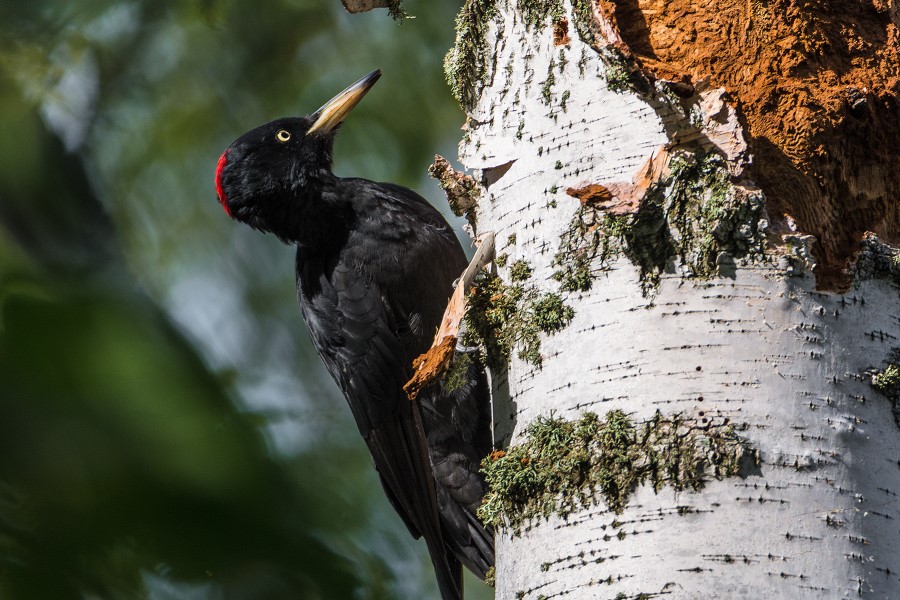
(357, 6)
(461, 189)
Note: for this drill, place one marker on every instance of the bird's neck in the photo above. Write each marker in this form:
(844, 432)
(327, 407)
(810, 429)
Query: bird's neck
(318, 219)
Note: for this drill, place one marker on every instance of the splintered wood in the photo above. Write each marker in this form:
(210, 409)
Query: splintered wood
(430, 367)
(820, 108)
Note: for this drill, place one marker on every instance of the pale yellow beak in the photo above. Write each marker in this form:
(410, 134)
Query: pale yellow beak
(333, 112)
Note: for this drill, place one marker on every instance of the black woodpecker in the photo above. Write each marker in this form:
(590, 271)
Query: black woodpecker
(375, 268)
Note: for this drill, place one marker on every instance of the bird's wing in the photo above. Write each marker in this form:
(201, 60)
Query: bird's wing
(427, 259)
(457, 423)
(357, 340)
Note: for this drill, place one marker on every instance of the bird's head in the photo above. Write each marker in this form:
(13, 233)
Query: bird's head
(272, 176)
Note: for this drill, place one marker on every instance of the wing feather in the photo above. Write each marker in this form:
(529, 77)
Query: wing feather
(364, 355)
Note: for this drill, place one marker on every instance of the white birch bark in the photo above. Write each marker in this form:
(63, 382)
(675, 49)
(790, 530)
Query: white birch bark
(759, 346)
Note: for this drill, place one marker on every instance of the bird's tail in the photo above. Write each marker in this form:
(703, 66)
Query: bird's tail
(448, 570)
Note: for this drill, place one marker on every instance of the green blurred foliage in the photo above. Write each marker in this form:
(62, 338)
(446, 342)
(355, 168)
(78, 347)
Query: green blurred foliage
(166, 429)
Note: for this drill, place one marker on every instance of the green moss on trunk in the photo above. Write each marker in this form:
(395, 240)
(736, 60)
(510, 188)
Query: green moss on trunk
(458, 374)
(584, 20)
(622, 72)
(547, 85)
(536, 13)
(520, 271)
(564, 466)
(582, 243)
(618, 74)
(466, 63)
(490, 578)
(500, 317)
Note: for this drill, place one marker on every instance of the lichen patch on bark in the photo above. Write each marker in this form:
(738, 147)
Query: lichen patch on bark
(565, 465)
(876, 260)
(887, 382)
(689, 212)
(818, 86)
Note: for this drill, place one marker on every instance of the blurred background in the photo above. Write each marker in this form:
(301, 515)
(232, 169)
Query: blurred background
(166, 429)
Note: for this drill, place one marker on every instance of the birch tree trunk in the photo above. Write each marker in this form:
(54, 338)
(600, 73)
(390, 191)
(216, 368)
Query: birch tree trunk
(694, 333)
(754, 390)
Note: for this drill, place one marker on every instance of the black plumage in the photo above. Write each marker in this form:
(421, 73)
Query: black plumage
(375, 268)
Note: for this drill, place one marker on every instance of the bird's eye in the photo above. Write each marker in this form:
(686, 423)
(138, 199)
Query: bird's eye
(283, 135)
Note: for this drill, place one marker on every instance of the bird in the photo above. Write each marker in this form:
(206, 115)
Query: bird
(375, 267)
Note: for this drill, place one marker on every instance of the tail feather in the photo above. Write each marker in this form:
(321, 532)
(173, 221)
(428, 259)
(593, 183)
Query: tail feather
(466, 537)
(448, 570)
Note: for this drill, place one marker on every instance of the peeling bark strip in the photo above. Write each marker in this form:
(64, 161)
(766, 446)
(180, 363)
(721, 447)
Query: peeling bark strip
(593, 194)
(430, 366)
(689, 306)
(619, 198)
